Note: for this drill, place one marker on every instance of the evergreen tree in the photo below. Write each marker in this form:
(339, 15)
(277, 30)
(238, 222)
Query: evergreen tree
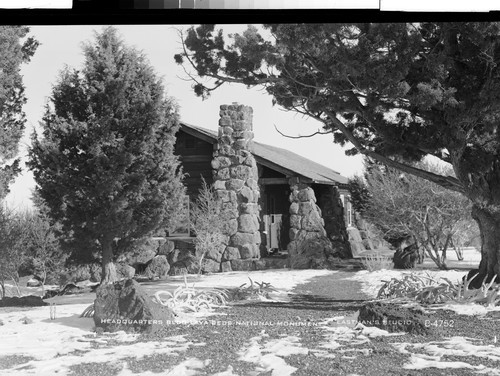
(14, 51)
(397, 92)
(105, 165)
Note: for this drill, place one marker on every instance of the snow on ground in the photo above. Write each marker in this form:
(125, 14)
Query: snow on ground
(427, 355)
(55, 345)
(280, 279)
(269, 354)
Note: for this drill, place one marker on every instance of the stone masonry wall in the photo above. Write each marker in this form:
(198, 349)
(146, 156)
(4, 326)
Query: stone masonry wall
(236, 183)
(309, 246)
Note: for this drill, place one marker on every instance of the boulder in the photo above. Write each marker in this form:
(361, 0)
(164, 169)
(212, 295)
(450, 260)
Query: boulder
(158, 268)
(315, 252)
(226, 266)
(166, 248)
(356, 242)
(24, 301)
(125, 305)
(393, 318)
(242, 265)
(125, 271)
(210, 266)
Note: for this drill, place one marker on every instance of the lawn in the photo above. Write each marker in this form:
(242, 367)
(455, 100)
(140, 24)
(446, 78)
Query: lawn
(307, 327)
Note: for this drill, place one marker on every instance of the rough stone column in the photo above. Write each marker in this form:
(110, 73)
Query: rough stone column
(309, 246)
(235, 181)
(333, 215)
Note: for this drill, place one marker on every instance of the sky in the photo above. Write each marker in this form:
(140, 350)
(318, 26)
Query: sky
(62, 45)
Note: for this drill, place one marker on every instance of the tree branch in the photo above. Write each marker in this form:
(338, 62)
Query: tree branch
(307, 136)
(448, 182)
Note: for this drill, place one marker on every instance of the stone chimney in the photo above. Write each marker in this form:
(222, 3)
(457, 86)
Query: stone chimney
(235, 182)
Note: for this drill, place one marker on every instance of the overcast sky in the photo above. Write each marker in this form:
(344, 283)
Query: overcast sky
(61, 45)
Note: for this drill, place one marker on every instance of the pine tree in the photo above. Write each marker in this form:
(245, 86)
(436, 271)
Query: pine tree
(13, 53)
(396, 92)
(105, 165)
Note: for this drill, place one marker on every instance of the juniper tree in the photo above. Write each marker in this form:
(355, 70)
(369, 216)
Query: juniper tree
(104, 164)
(15, 49)
(397, 92)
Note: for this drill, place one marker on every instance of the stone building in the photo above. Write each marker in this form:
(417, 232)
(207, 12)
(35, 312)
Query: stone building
(280, 200)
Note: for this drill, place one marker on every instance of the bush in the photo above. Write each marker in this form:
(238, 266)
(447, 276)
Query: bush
(254, 290)
(376, 262)
(186, 298)
(427, 290)
(210, 219)
(12, 255)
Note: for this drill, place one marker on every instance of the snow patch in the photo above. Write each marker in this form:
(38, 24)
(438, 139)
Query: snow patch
(430, 355)
(269, 355)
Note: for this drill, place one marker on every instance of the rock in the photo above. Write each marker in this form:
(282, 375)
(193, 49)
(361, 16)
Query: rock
(70, 289)
(276, 263)
(158, 268)
(231, 253)
(393, 318)
(50, 294)
(226, 266)
(247, 195)
(210, 266)
(125, 271)
(313, 222)
(125, 305)
(356, 242)
(235, 184)
(33, 282)
(406, 258)
(24, 301)
(1, 323)
(259, 265)
(315, 252)
(26, 320)
(166, 248)
(248, 223)
(242, 265)
(249, 251)
(242, 238)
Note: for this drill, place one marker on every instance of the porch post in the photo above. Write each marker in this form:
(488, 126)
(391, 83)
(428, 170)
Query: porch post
(309, 246)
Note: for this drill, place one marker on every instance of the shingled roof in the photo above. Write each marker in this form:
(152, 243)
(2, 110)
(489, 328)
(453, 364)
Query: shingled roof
(277, 158)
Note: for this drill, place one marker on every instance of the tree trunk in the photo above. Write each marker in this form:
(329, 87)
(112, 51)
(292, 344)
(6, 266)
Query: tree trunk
(108, 274)
(488, 221)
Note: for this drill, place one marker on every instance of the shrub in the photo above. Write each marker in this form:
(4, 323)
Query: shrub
(427, 290)
(186, 298)
(376, 261)
(210, 220)
(12, 255)
(254, 290)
